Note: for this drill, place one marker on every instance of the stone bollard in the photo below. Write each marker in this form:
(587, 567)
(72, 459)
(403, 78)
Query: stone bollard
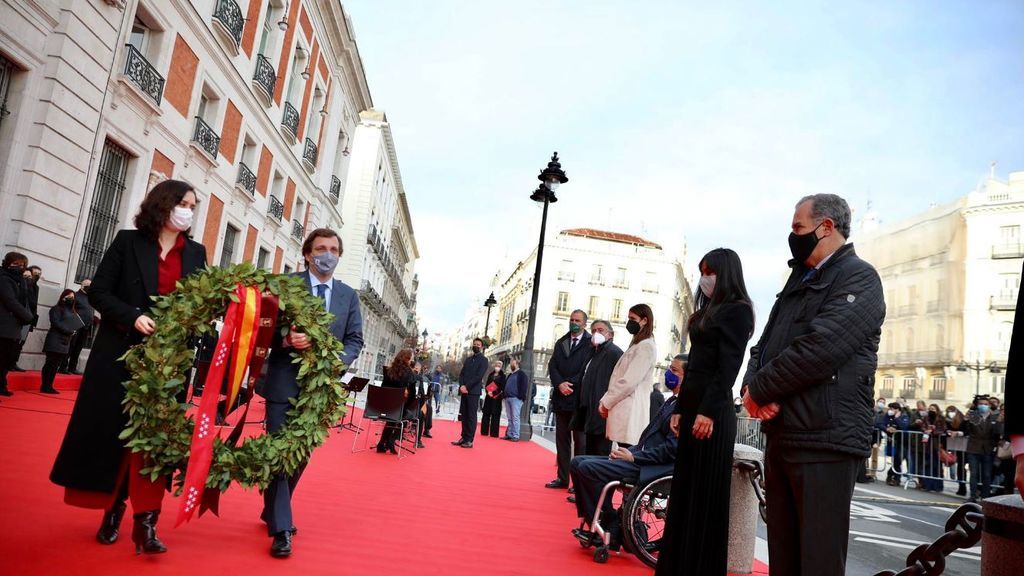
(1002, 540)
(743, 512)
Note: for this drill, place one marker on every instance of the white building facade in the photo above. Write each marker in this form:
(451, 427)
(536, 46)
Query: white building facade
(951, 277)
(603, 274)
(380, 246)
(253, 102)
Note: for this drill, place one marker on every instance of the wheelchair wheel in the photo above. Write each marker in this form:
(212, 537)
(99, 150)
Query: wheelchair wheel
(601, 555)
(643, 519)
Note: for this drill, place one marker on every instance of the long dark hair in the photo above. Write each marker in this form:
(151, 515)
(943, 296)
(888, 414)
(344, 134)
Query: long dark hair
(157, 206)
(64, 294)
(400, 368)
(729, 286)
(643, 311)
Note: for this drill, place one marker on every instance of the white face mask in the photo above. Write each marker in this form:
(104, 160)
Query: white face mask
(707, 284)
(951, 415)
(597, 338)
(891, 412)
(180, 218)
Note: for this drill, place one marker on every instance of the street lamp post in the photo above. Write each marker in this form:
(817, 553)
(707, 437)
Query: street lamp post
(490, 302)
(551, 177)
(977, 368)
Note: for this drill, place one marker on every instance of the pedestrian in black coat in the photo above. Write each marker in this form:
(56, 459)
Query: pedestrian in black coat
(470, 385)
(64, 322)
(14, 314)
(569, 357)
(138, 265)
(490, 421)
(593, 386)
(811, 376)
(88, 316)
(1014, 400)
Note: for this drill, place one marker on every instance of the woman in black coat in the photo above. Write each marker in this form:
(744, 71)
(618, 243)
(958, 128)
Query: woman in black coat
(399, 375)
(490, 421)
(696, 537)
(64, 322)
(93, 464)
(14, 314)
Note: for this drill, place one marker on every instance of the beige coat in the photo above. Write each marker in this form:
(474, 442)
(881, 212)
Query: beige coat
(628, 398)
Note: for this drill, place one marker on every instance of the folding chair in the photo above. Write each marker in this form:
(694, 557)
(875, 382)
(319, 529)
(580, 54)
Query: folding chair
(383, 406)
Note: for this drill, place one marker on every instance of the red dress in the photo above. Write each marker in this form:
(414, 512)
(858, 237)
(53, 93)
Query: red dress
(145, 494)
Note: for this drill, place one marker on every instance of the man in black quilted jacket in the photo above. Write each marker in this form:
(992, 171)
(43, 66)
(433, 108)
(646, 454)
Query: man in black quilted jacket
(811, 379)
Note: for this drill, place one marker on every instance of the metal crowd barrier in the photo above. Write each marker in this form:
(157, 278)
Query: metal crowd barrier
(909, 457)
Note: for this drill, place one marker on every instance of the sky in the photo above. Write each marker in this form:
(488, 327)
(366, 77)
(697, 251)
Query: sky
(689, 123)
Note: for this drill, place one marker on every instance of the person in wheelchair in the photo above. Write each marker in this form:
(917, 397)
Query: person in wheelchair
(653, 456)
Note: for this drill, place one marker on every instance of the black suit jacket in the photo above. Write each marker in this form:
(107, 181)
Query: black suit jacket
(1014, 419)
(567, 366)
(655, 452)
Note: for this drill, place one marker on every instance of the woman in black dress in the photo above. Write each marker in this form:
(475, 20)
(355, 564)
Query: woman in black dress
(697, 528)
(94, 465)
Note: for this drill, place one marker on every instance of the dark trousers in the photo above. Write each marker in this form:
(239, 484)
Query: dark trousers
(277, 498)
(50, 367)
(590, 474)
(597, 445)
(981, 472)
(428, 419)
(490, 423)
(70, 363)
(808, 514)
(568, 443)
(9, 351)
(468, 406)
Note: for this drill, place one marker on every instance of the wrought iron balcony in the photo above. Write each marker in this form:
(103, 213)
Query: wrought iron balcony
(246, 179)
(143, 75)
(309, 154)
(567, 276)
(1006, 301)
(207, 139)
(229, 16)
(290, 119)
(335, 190)
(298, 231)
(265, 78)
(1008, 250)
(276, 208)
(936, 394)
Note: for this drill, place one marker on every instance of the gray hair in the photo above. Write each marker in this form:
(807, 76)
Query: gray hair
(606, 325)
(832, 207)
(581, 312)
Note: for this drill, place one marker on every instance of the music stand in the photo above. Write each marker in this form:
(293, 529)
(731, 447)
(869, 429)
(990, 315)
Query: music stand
(354, 385)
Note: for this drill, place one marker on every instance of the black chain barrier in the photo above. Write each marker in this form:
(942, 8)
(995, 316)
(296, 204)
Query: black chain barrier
(755, 473)
(963, 531)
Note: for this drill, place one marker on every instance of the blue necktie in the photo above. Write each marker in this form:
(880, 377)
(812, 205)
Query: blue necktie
(810, 274)
(321, 292)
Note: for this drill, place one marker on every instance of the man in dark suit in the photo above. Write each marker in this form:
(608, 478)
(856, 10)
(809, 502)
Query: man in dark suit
(470, 384)
(1014, 414)
(565, 369)
(321, 250)
(594, 384)
(653, 456)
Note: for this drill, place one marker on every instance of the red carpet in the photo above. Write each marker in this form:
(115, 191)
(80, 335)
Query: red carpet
(444, 510)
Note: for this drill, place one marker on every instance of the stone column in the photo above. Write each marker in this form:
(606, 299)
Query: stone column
(1002, 541)
(743, 512)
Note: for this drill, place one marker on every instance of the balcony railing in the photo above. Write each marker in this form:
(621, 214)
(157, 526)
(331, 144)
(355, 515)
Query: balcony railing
(298, 231)
(1008, 250)
(276, 208)
(335, 190)
(265, 78)
(942, 356)
(246, 179)
(567, 276)
(309, 153)
(1004, 301)
(229, 16)
(207, 139)
(143, 75)
(596, 281)
(290, 119)
(936, 394)
(935, 306)
(906, 310)
(621, 284)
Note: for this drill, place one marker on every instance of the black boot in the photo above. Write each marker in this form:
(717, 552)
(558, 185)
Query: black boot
(108, 531)
(48, 390)
(144, 533)
(5, 392)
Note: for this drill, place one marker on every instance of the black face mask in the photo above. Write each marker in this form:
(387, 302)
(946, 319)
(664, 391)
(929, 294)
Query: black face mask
(632, 326)
(801, 245)
(476, 349)
(69, 300)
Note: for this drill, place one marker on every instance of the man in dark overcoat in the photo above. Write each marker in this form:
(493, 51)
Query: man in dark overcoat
(569, 357)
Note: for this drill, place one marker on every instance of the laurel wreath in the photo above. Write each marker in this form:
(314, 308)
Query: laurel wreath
(158, 425)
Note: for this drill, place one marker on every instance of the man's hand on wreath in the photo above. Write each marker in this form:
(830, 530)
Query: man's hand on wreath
(298, 340)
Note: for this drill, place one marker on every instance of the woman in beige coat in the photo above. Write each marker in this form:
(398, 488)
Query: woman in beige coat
(627, 403)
